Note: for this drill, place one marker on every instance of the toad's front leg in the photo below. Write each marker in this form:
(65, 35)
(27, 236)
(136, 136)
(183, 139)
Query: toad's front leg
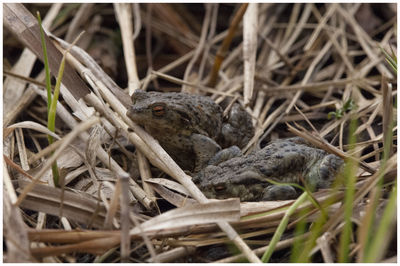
(204, 148)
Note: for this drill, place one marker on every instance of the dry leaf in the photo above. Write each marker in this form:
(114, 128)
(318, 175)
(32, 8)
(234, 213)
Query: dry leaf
(210, 212)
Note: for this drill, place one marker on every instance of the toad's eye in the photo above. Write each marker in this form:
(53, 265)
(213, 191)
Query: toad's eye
(158, 110)
(219, 188)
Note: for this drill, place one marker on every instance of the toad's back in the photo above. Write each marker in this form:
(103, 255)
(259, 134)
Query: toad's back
(285, 161)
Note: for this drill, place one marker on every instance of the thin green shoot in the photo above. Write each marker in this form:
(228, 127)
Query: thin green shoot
(301, 228)
(381, 239)
(53, 107)
(50, 100)
(365, 230)
(350, 172)
(46, 62)
(375, 241)
(303, 255)
(306, 189)
(281, 228)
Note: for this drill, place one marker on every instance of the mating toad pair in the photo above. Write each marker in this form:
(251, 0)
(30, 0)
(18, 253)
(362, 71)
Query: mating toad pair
(192, 130)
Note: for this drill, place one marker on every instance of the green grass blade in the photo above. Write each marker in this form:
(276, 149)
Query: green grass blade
(46, 61)
(350, 172)
(301, 229)
(381, 239)
(281, 228)
(53, 107)
(50, 100)
(304, 189)
(53, 110)
(303, 255)
(375, 245)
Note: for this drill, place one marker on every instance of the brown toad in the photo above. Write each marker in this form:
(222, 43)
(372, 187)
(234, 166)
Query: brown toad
(284, 161)
(189, 127)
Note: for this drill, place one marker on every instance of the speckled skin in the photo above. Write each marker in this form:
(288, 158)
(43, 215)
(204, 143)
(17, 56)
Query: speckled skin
(285, 161)
(187, 126)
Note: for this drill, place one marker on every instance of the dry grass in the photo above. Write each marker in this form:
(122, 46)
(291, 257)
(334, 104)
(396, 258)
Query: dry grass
(290, 67)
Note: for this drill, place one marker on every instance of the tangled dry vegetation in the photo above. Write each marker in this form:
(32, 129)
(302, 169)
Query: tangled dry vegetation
(290, 64)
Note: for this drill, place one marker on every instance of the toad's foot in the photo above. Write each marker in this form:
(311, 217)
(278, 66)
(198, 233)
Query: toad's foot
(225, 154)
(238, 129)
(204, 148)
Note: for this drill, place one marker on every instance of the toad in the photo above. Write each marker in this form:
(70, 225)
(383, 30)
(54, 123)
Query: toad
(285, 161)
(191, 128)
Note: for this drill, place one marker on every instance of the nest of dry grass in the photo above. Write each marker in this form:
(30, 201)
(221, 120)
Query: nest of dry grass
(299, 69)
